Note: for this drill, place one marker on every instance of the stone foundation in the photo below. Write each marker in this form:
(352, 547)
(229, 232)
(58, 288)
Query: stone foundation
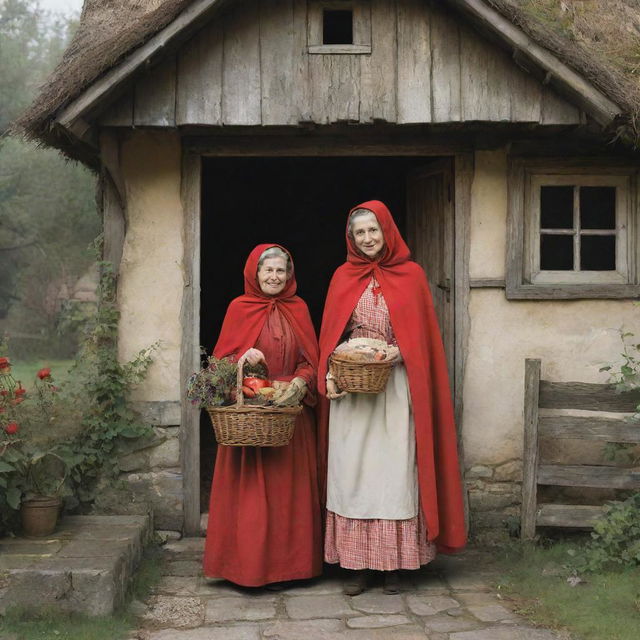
(495, 496)
(151, 475)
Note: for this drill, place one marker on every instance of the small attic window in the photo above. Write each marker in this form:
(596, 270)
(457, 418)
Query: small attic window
(337, 26)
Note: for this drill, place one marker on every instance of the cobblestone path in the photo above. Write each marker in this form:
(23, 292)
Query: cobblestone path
(451, 599)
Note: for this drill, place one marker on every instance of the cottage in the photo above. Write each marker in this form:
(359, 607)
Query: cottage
(504, 150)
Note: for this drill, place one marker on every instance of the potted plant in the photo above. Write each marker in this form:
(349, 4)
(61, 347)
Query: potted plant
(33, 466)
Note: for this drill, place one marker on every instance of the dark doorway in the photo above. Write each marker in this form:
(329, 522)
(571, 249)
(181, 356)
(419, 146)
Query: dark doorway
(300, 203)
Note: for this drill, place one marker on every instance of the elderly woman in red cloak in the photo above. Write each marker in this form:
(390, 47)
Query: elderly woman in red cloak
(264, 517)
(393, 486)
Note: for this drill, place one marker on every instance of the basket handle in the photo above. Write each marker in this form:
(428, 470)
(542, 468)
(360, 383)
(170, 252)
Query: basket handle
(239, 376)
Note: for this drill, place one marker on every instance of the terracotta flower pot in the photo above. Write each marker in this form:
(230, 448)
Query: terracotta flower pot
(39, 516)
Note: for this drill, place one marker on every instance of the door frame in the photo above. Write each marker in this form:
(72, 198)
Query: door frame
(194, 149)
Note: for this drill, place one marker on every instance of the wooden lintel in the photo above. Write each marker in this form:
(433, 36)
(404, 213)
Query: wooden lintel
(561, 76)
(487, 283)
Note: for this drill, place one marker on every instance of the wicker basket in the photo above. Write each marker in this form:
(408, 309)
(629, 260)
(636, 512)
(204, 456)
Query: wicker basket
(360, 377)
(252, 426)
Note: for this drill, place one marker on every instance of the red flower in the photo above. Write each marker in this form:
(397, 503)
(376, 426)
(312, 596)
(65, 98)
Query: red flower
(44, 373)
(12, 428)
(4, 363)
(20, 391)
(17, 401)
(4, 392)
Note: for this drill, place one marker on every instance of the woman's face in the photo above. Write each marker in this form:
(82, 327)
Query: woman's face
(272, 275)
(368, 235)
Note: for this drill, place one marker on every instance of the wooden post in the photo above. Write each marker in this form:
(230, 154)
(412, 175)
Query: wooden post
(530, 453)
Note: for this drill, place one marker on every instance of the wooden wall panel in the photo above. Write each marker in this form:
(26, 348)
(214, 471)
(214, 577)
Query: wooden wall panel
(378, 70)
(445, 67)
(155, 96)
(414, 62)
(251, 66)
(241, 90)
(199, 78)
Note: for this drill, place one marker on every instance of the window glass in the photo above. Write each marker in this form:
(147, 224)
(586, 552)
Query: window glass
(598, 253)
(556, 207)
(556, 252)
(337, 26)
(598, 207)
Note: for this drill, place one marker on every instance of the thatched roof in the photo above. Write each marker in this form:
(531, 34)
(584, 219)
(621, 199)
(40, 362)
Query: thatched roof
(600, 39)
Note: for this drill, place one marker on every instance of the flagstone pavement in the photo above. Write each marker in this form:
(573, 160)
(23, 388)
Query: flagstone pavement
(451, 599)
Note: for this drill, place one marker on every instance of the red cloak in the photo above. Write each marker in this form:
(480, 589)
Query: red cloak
(413, 318)
(264, 514)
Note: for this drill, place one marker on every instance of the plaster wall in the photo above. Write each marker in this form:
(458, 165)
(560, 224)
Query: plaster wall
(151, 279)
(572, 338)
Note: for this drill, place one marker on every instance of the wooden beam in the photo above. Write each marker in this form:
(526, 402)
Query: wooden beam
(487, 283)
(530, 454)
(561, 76)
(579, 428)
(569, 515)
(190, 349)
(584, 475)
(190, 18)
(587, 396)
(463, 180)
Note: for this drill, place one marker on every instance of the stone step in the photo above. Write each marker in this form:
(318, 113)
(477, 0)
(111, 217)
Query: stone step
(84, 567)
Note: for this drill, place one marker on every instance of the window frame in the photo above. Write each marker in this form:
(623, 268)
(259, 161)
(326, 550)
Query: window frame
(525, 279)
(361, 27)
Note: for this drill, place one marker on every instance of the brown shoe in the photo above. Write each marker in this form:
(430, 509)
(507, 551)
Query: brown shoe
(355, 583)
(391, 582)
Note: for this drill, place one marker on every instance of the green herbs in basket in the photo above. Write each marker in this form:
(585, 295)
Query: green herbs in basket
(215, 385)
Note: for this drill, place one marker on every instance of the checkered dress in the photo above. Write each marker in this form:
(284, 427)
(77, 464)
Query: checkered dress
(384, 545)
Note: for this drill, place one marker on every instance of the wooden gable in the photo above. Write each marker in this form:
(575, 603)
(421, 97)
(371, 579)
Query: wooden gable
(251, 65)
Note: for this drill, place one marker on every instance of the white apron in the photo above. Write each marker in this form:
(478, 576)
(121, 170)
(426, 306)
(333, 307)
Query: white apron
(372, 454)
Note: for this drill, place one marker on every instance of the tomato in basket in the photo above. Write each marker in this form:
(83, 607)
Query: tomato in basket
(255, 383)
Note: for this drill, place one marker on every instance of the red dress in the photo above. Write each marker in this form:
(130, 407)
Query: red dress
(264, 515)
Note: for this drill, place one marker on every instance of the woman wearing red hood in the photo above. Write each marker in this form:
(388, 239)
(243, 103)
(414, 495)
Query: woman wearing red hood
(264, 517)
(393, 486)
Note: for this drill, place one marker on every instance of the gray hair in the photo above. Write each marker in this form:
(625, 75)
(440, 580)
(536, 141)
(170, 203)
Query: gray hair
(276, 252)
(359, 213)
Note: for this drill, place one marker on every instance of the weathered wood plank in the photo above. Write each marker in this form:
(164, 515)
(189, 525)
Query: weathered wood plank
(487, 283)
(585, 395)
(569, 475)
(526, 96)
(556, 110)
(568, 515)
(335, 88)
(301, 91)
(586, 428)
(277, 37)
(120, 113)
(475, 59)
(189, 348)
(199, 91)
(378, 70)
(530, 469)
(241, 64)
(155, 96)
(445, 66)
(414, 62)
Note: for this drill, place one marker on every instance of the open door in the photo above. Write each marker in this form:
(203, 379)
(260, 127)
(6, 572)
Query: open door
(430, 238)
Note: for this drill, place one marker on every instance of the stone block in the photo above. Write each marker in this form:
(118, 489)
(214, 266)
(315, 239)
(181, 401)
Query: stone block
(307, 607)
(316, 587)
(376, 602)
(296, 630)
(175, 612)
(208, 633)
(188, 568)
(185, 547)
(165, 455)
(492, 612)
(240, 608)
(506, 632)
(162, 491)
(478, 471)
(377, 622)
(443, 623)
(509, 472)
(402, 632)
(485, 501)
(429, 605)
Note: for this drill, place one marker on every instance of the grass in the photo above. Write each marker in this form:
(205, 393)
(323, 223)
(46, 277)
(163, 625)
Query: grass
(50, 624)
(26, 371)
(604, 605)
